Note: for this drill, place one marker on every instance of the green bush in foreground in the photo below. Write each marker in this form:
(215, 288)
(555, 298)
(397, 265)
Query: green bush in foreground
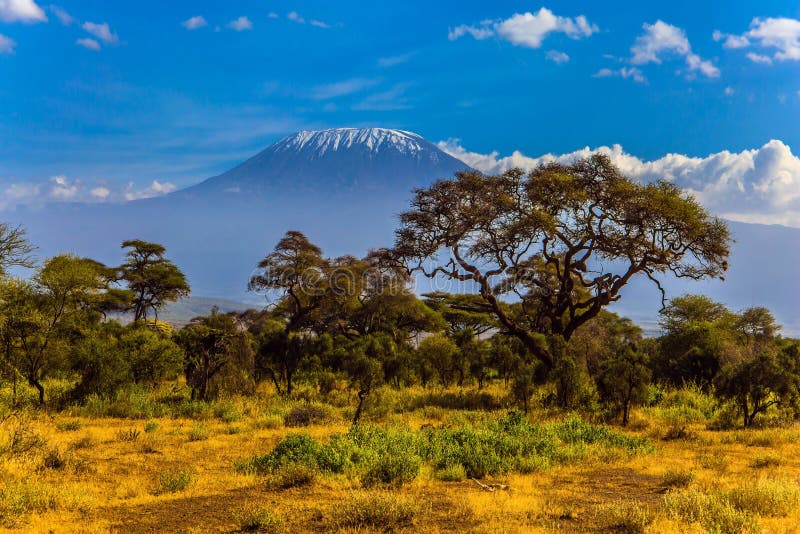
(391, 456)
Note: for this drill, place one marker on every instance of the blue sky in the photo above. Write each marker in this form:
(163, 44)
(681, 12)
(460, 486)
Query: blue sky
(116, 93)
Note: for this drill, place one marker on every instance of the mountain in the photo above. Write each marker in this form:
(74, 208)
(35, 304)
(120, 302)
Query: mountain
(344, 187)
(338, 161)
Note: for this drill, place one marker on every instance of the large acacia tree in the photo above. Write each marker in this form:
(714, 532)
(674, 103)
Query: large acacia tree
(563, 239)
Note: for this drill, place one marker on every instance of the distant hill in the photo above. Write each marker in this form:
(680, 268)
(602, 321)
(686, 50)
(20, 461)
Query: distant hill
(180, 313)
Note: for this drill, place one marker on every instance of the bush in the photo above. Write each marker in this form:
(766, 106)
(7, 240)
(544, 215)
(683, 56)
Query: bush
(711, 511)
(68, 426)
(309, 413)
(54, 460)
(676, 479)
(765, 460)
(387, 511)
(392, 470)
(198, 432)
(452, 473)
(268, 422)
(174, 480)
(293, 475)
(773, 498)
(293, 449)
(627, 517)
(150, 426)
(260, 519)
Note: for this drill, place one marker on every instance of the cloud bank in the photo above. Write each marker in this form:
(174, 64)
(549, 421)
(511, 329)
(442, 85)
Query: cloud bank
(63, 189)
(759, 186)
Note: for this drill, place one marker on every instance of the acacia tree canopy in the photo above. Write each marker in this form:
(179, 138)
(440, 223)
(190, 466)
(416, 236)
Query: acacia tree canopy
(565, 239)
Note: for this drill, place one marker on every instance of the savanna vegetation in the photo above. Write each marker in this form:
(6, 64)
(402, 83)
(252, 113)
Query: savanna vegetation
(515, 402)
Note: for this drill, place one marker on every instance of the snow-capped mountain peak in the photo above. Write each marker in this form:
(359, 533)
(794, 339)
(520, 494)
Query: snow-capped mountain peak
(335, 161)
(319, 142)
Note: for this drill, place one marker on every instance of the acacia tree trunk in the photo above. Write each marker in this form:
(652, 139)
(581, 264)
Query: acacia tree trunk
(362, 396)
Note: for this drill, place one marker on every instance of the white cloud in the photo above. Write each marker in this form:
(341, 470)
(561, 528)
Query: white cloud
(101, 193)
(155, 189)
(557, 56)
(622, 72)
(21, 11)
(759, 58)
(730, 41)
(660, 41)
(478, 33)
(760, 185)
(294, 16)
(240, 24)
(62, 189)
(194, 23)
(343, 88)
(6, 45)
(101, 31)
(729, 91)
(392, 99)
(90, 44)
(65, 18)
(392, 61)
(527, 29)
(272, 15)
(780, 36)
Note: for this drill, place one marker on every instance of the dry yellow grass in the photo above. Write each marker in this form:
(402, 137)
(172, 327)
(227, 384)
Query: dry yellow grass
(110, 478)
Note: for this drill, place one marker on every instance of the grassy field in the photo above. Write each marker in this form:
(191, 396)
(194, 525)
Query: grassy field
(423, 461)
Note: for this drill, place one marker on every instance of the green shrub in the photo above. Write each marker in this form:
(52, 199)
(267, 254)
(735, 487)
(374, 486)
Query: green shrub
(68, 426)
(386, 511)
(773, 498)
(392, 470)
(267, 422)
(293, 449)
(626, 517)
(198, 432)
(150, 426)
(21, 498)
(293, 475)
(174, 480)
(713, 511)
(765, 460)
(451, 473)
(258, 519)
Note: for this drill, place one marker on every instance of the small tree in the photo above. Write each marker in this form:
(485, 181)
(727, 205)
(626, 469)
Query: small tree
(757, 383)
(622, 380)
(152, 279)
(440, 352)
(208, 343)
